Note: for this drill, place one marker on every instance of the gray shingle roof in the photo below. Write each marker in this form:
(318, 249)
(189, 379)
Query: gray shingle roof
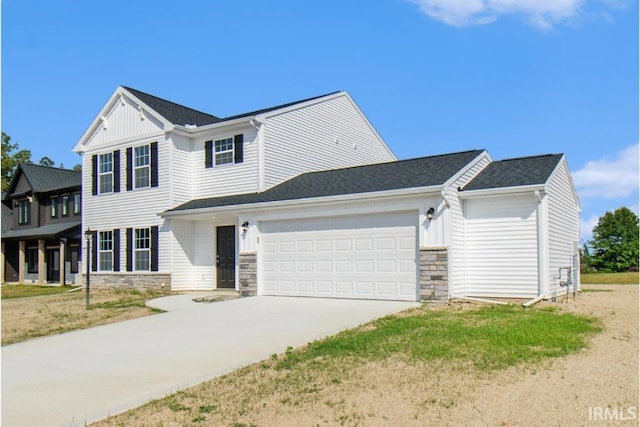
(515, 172)
(175, 113)
(412, 173)
(49, 230)
(44, 179)
(181, 115)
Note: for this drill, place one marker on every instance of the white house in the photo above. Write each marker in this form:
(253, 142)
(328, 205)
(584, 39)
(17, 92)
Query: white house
(306, 199)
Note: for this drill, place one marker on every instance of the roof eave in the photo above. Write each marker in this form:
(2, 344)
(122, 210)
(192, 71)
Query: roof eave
(501, 191)
(303, 202)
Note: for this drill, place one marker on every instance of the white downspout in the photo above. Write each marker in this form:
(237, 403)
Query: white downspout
(543, 249)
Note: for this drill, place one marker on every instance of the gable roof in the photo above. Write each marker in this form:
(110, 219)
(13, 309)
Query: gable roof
(402, 174)
(44, 179)
(516, 172)
(181, 115)
(175, 113)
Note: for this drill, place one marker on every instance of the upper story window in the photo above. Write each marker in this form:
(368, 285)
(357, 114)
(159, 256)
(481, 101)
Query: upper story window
(64, 205)
(105, 251)
(142, 166)
(77, 204)
(53, 207)
(224, 151)
(24, 212)
(105, 176)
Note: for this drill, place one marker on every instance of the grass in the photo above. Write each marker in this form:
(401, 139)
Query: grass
(32, 311)
(417, 345)
(610, 278)
(23, 291)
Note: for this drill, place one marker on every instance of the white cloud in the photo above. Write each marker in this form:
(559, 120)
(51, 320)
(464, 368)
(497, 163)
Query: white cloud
(586, 227)
(540, 13)
(609, 178)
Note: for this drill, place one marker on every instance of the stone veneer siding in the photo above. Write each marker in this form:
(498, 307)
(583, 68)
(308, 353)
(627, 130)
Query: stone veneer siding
(434, 279)
(248, 271)
(128, 280)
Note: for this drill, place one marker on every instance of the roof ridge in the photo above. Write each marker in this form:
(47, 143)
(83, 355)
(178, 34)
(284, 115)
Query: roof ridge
(48, 167)
(529, 157)
(169, 102)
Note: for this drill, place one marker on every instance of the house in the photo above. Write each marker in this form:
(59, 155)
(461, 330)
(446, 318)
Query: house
(41, 217)
(306, 199)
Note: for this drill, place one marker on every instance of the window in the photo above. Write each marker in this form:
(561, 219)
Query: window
(31, 258)
(106, 173)
(142, 249)
(77, 204)
(54, 207)
(24, 212)
(224, 151)
(142, 166)
(105, 251)
(64, 205)
(74, 258)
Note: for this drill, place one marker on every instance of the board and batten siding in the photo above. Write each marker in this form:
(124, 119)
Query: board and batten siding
(110, 211)
(501, 250)
(124, 122)
(563, 225)
(327, 135)
(224, 180)
(456, 230)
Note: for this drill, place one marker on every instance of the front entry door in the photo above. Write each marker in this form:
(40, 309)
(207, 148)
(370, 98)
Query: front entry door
(53, 265)
(226, 256)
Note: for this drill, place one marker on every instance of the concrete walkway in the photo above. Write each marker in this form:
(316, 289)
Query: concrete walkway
(84, 376)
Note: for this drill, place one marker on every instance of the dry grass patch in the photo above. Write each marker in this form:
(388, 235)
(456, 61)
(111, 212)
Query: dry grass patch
(630, 278)
(24, 318)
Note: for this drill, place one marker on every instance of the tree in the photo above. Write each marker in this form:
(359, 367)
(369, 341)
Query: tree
(11, 158)
(47, 161)
(615, 241)
(77, 167)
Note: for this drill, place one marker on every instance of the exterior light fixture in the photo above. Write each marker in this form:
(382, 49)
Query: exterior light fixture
(430, 213)
(245, 226)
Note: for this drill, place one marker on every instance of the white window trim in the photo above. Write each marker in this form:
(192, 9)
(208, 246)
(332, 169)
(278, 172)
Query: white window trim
(229, 150)
(104, 174)
(104, 251)
(53, 209)
(137, 250)
(147, 166)
(26, 212)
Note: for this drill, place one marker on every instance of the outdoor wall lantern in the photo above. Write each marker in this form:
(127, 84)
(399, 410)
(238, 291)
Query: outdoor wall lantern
(430, 213)
(245, 226)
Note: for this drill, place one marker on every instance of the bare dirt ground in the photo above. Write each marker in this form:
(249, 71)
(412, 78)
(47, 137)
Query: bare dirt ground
(595, 387)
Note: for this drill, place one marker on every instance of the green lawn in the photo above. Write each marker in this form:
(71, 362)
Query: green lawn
(21, 291)
(609, 278)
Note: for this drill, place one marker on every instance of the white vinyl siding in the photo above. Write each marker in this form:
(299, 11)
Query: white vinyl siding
(193, 266)
(456, 242)
(562, 225)
(327, 135)
(501, 254)
(365, 256)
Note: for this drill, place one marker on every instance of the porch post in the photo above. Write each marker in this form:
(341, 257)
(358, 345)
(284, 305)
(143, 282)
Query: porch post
(21, 257)
(63, 248)
(42, 273)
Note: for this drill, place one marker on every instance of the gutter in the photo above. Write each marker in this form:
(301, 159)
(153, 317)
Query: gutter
(500, 191)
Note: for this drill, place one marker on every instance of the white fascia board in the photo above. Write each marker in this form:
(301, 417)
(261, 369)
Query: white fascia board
(106, 111)
(463, 170)
(343, 198)
(501, 191)
(191, 131)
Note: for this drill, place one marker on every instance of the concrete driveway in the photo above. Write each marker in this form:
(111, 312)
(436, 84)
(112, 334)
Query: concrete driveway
(84, 376)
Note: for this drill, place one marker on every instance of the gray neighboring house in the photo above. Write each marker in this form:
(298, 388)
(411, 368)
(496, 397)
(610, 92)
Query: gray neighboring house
(41, 226)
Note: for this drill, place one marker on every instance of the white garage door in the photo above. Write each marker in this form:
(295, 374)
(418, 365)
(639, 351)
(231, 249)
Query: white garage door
(371, 257)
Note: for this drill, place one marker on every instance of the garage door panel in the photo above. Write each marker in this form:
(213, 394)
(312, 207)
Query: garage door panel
(346, 257)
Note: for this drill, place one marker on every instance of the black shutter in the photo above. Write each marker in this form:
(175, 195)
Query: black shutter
(129, 169)
(154, 164)
(94, 251)
(154, 248)
(116, 171)
(116, 249)
(94, 175)
(208, 154)
(238, 148)
(129, 249)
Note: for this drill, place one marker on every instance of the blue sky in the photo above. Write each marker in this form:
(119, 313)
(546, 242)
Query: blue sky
(516, 77)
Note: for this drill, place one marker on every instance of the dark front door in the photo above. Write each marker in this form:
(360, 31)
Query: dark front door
(53, 265)
(226, 256)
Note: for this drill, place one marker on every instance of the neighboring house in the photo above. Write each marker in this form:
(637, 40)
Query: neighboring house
(306, 199)
(41, 226)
